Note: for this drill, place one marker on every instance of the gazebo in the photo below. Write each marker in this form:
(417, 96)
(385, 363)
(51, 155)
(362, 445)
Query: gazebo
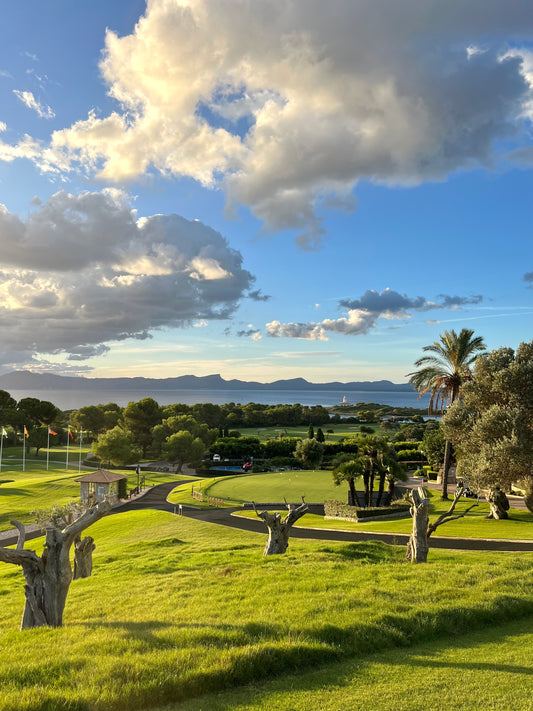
(99, 486)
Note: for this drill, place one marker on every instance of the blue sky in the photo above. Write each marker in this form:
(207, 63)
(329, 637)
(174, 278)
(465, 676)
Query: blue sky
(263, 190)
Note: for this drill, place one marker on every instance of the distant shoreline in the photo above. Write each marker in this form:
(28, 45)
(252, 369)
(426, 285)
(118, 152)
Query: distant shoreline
(73, 399)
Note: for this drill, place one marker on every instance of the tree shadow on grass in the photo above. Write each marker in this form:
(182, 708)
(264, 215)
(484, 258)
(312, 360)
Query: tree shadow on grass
(367, 551)
(190, 634)
(335, 676)
(11, 491)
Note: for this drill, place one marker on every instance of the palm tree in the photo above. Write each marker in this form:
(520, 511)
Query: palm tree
(373, 448)
(442, 372)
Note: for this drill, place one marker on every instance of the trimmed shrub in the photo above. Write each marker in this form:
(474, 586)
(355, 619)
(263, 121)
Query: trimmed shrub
(338, 509)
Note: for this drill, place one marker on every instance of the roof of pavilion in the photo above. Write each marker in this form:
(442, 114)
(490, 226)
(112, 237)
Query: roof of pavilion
(102, 476)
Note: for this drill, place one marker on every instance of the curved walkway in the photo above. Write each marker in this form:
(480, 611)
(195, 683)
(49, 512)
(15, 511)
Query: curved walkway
(156, 498)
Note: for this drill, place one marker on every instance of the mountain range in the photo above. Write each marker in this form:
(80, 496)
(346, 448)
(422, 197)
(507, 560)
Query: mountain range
(26, 380)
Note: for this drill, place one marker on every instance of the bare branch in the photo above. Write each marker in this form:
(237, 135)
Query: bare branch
(20, 557)
(22, 533)
(448, 516)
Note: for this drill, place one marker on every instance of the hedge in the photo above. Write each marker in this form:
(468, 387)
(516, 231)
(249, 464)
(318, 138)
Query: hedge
(338, 509)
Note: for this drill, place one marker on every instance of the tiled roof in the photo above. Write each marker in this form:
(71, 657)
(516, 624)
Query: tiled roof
(102, 476)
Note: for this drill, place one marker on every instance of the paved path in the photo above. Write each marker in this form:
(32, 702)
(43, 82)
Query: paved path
(156, 498)
(223, 517)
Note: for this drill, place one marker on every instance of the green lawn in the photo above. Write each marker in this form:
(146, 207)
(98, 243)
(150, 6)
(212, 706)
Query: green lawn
(339, 431)
(34, 488)
(488, 669)
(316, 486)
(473, 525)
(177, 609)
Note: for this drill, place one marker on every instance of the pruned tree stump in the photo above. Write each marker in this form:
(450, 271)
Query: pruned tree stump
(278, 530)
(499, 504)
(48, 577)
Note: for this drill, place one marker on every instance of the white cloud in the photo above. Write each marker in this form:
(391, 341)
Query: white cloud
(308, 331)
(29, 100)
(364, 313)
(289, 105)
(82, 271)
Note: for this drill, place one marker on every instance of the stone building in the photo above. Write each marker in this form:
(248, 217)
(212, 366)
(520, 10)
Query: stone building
(99, 486)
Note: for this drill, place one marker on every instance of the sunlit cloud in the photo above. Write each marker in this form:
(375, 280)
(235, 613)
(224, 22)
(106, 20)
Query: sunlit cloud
(287, 107)
(71, 279)
(29, 100)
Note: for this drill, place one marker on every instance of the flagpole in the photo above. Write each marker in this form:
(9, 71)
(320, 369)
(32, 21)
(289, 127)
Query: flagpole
(48, 449)
(24, 449)
(1, 447)
(68, 440)
(81, 440)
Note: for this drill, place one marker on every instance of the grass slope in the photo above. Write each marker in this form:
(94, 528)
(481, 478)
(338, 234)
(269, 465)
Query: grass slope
(177, 609)
(487, 669)
(38, 488)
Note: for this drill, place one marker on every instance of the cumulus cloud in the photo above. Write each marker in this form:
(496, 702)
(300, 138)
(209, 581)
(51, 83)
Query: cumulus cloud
(29, 100)
(364, 313)
(83, 270)
(309, 331)
(528, 278)
(289, 105)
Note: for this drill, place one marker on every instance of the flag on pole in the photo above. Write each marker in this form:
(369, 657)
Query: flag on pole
(4, 433)
(24, 449)
(69, 437)
(51, 431)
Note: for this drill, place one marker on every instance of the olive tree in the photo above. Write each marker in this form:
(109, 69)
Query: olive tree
(491, 426)
(418, 543)
(48, 577)
(278, 528)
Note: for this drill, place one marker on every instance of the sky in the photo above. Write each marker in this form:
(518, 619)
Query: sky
(264, 189)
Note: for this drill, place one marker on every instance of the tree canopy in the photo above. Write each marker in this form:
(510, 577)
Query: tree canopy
(491, 426)
(443, 372)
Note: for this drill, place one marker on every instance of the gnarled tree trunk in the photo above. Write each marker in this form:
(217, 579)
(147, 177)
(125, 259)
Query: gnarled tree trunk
(418, 545)
(83, 557)
(446, 468)
(48, 577)
(499, 503)
(278, 530)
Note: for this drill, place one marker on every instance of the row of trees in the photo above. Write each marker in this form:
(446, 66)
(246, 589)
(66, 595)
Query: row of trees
(143, 415)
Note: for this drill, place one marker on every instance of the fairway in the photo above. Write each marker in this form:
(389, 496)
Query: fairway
(274, 487)
(340, 431)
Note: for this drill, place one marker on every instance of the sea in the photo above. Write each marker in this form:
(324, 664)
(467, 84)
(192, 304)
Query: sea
(74, 399)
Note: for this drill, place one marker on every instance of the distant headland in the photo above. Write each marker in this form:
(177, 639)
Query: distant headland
(26, 380)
